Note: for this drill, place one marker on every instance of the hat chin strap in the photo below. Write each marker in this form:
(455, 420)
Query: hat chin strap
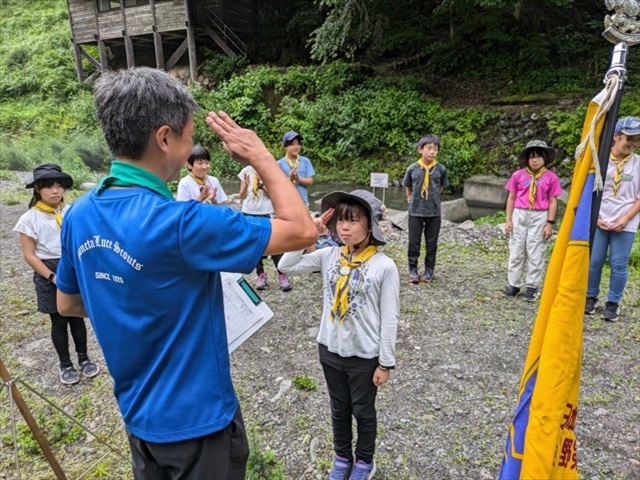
(364, 242)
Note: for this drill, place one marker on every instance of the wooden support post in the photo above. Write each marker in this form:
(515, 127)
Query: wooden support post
(33, 426)
(193, 61)
(102, 50)
(157, 38)
(157, 43)
(128, 47)
(76, 54)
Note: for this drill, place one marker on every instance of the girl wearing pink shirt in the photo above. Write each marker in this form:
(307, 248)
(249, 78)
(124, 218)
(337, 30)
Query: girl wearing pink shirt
(531, 213)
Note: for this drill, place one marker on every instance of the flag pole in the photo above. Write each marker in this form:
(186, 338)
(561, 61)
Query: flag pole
(618, 68)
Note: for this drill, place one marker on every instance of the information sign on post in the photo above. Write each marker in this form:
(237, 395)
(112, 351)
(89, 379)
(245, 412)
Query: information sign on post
(380, 180)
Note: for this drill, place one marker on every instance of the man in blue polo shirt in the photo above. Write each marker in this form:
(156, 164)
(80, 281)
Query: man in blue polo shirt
(145, 269)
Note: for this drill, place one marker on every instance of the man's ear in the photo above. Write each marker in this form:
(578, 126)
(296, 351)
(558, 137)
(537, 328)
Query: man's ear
(162, 137)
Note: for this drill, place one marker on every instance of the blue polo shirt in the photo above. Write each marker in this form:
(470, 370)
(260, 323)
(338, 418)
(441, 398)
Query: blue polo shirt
(147, 269)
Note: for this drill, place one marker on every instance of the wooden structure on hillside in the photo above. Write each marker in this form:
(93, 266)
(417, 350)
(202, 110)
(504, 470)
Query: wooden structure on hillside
(157, 32)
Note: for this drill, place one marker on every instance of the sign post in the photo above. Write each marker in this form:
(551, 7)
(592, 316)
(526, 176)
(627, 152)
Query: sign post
(379, 180)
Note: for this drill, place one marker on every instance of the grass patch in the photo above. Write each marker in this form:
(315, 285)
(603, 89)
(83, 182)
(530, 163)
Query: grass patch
(302, 382)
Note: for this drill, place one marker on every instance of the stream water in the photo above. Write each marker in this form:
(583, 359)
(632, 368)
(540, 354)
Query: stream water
(393, 197)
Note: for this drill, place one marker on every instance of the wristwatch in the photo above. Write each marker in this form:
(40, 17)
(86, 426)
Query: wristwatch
(51, 276)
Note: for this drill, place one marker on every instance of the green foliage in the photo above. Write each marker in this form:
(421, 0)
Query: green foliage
(565, 128)
(26, 152)
(219, 67)
(262, 463)
(39, 62)
(352, 124)
(345, 29)
(302, 382)
(354, 120)
(634, 258)
(493, 220)
(58, 429)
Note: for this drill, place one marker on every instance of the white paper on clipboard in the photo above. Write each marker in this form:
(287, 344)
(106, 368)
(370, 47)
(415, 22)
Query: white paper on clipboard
(242, 315)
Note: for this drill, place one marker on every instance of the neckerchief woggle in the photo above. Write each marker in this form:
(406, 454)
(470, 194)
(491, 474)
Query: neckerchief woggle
(125, 174)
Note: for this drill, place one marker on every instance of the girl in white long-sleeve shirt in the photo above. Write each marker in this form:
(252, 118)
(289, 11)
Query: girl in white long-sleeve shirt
(357, 333)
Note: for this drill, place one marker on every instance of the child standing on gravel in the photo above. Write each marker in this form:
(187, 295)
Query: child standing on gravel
(424, 182)
(297, 167)
(357, 333)
(531, 213)
(198, 185)
(39, 230)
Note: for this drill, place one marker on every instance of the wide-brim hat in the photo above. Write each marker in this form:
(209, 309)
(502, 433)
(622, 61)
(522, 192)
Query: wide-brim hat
(364, 198)
(50, 171)
(290, 136)
(539, 144)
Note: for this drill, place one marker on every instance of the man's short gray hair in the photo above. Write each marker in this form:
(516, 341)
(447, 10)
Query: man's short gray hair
(131, 104)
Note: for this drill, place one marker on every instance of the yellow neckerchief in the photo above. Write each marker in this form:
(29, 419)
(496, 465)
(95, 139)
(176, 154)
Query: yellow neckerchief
(200, 182)
(293, 163)
(427, 176)
(255, 185)
(617, 175)
(57, 210)
(347, 264)
(533, 186)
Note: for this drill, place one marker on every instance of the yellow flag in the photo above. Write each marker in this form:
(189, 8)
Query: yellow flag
(542, 441)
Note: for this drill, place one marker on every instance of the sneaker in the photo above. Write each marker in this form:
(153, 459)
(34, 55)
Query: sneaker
(363, 471)
(88, 368)
(285, 286)
(510, 291)
(427, 276)
(413, 275)
(262, 281)
(611, 312)
(590, 307)
(69, 375)
(341, 469)
(530, 294)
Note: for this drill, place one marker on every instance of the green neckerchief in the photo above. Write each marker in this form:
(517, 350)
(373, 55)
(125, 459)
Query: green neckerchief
(124, 174)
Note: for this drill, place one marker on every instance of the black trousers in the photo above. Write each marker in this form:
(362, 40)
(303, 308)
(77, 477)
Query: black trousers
(430, 228)
(60, 337)
(220, 456)
(352, 394)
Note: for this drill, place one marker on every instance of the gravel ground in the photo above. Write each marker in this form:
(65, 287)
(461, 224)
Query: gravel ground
(444, 414)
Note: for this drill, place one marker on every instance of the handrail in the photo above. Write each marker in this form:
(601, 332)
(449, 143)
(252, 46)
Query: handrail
(229, 36)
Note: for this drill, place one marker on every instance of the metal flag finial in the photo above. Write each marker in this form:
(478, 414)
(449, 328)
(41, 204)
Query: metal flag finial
(623, 25)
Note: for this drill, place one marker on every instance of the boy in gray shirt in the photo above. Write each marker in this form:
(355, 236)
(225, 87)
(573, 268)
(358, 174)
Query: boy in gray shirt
(424, 182)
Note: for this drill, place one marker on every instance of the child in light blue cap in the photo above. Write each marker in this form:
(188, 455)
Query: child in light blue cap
(618, 218)
(298, 168)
